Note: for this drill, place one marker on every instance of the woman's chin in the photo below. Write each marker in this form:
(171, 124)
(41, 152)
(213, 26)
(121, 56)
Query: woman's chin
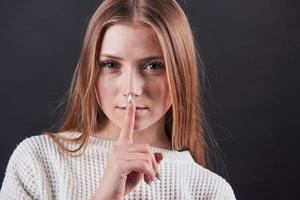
(138, 128)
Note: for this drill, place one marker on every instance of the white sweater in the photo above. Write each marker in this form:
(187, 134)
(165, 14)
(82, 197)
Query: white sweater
(36, 170)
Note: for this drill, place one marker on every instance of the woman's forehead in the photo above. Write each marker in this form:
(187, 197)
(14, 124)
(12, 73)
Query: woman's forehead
(130, 38)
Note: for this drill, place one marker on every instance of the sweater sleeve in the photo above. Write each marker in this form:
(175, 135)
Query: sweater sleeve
(20, 179)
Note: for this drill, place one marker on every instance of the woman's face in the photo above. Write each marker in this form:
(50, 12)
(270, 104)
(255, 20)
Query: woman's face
(131, 61)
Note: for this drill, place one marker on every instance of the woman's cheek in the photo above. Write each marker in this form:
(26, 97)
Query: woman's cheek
(103, 90)
(165, 96)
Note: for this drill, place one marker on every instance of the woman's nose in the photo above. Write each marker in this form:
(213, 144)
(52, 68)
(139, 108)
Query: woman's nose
(133, 83)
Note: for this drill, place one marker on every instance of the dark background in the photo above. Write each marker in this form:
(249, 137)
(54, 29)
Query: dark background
(252, 91)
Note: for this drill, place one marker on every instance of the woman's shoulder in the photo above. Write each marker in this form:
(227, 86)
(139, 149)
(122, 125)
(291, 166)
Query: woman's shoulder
(27, 154)
(37, 145)
(29, 161)
(215, 184)
(34, 150)
(34, 142)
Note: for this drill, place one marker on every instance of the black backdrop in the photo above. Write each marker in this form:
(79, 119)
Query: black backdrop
(249, 50)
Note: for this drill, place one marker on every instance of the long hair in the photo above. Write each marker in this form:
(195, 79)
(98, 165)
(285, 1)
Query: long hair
(185, 120)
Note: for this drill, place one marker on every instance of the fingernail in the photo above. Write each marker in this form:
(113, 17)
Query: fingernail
(147, 179)
(129, 99)
(149, 182)
(158, 157)
(157, 176)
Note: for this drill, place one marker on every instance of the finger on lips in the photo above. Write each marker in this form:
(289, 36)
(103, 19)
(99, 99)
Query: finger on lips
(126, 135)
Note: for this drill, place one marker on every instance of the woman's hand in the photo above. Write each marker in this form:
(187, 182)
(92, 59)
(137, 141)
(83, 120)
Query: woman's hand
(128, 163)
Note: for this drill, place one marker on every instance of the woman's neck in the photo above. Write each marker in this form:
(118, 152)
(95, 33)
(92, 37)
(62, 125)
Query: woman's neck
(155, 135)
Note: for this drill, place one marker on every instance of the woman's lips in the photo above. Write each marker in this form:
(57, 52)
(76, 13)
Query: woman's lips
(138, 109)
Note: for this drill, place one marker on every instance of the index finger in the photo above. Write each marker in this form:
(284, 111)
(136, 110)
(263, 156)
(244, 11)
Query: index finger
(126, 133)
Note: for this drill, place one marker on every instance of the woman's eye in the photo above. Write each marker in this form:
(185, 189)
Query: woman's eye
(151, 66)
(108, 64)
(155, 66)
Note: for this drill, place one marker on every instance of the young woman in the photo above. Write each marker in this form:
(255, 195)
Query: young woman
(133, 116)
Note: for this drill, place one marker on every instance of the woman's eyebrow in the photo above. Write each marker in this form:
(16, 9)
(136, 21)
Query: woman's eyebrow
(142, 59)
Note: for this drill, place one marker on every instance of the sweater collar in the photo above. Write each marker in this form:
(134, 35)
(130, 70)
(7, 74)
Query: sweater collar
(168, 154)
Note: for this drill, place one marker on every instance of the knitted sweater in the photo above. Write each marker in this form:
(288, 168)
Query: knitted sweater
(37, 170)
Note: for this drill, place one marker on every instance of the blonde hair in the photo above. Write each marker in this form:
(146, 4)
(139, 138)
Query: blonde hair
(185, 120)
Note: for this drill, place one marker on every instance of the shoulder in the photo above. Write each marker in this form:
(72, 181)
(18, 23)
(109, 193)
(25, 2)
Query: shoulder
(42, 141)
(27, 153)
(36, 147)
(34, 144)
(26, 166)
(34, 153)
(212, 184)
